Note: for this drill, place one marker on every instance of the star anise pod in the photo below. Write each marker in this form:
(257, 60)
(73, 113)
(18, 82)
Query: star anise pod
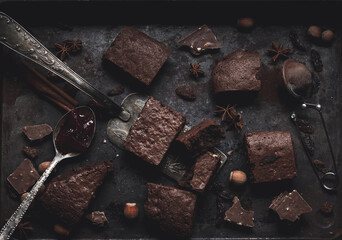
(231, 116)
(63, 51)
(278, 51)
(73, 45)
(24, 229)
(195, 70)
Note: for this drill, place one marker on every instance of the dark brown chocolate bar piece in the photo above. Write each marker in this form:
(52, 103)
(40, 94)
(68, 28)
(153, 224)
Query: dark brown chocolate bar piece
(236, 214)
(290, 206)
(200, 40)
(98, 218)
(37, 132)
(24, 177)
(30, 152)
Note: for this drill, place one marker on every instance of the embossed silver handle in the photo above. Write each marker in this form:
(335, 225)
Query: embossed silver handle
(17, 38)
(16, 217)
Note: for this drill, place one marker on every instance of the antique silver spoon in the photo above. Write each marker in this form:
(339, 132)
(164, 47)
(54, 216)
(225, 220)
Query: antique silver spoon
(16, 217)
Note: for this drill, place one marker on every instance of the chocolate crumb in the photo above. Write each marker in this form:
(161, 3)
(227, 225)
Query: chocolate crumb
(185, 92)
(327, 208)
(116, 91)
(98, 218)
(305, 126)
(320, 166)
(30, 152)
(88, 60)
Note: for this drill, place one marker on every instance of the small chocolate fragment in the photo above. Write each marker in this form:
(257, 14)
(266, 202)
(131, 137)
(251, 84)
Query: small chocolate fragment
(116, 91)
(98, 218)
(305, 126)
(23, 177)
(236, 214)
(320, 166)
(316, 60)
(327, 208)
(200, 40)
(309, 144)
(290, 206)
(37, 132)
(88, 60)
(185, 92)
(30, 152)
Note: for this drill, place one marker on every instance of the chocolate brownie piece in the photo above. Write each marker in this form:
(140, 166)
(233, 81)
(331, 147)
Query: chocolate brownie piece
(200, 40)
(37, 132)
(151, 135)
(290, 206)
(201, 137)
(24, 177)
(68, 196)
(237, 72)
(138, 54)
(238, 215)
(171, 209)
(204, 169)
(271, 156)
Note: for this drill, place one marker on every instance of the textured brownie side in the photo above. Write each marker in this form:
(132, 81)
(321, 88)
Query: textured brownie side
(237, 72)
(138, 54)
(68, 196)
(204, 169)
(151, 135)
(171, 209)
(271, 156)
(201, 137)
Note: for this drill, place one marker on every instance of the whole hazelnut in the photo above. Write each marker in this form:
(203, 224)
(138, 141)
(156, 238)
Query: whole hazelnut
(23, 196)
(61, 230)
(43, 166)
(238, 177)
(315, 32)
(327, 36)
(245, 23)
(131, 210)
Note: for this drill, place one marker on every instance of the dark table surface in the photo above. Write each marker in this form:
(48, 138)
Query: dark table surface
(97, 25)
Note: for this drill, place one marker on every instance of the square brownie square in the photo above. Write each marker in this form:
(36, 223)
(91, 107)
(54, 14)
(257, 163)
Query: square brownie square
(171, 209)
(151, 135)
(138, 54)
(271, 156)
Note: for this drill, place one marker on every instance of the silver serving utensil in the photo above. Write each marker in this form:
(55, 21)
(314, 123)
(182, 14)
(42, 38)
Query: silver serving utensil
(16, 217)
(329, 180)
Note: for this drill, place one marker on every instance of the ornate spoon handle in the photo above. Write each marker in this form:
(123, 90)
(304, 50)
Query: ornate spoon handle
(17, 38)
(16, 217)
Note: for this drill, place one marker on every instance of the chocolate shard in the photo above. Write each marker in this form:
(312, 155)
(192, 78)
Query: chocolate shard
(290, 206)
(30, 152)
(37, 132)
(200, 40)
(24, 177)
(97, 218)
(238, 215)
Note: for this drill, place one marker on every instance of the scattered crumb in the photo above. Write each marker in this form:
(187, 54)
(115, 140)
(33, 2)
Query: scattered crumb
(230, 152)
(116, 91)
(88, 60)
(104, 141)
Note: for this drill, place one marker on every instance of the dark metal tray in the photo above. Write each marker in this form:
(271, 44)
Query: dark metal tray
(97, 24)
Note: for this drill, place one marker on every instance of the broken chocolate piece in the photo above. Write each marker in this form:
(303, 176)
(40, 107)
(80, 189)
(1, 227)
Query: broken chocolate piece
(327, 208)
(116, 91)
(320, 166)
(236, 214)
(186, 93)
(200, 40)
(30, 152)
(290, 206)
(23, 177)
(37, 132)
(98, 218)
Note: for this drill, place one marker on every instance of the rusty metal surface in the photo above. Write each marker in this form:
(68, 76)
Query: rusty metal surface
(22, 106)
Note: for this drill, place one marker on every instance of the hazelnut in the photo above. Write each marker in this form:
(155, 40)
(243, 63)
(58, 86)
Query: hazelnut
(43, 166)
(131, 210)
(327, 36)
(245, 23)
(315, 32)
(61, 230)
(23, 196)
(238, 177)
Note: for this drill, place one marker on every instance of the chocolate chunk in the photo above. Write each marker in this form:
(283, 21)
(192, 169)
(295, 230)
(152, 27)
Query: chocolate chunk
(290, 206)
(37, 132)
(98, 218)
(138, 54)
(171, 209)
(116, 91)
(236, 214)
(327, 208)
(237, 72)
(320, 166)
(186, 93)
(30, 152)
(200, 40)
(24, 177)
(271, 156)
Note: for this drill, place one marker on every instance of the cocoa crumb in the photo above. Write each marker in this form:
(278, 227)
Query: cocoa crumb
(88, 60)
(327, 208)
(320, 166)
(30, 152)
(116, 91)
